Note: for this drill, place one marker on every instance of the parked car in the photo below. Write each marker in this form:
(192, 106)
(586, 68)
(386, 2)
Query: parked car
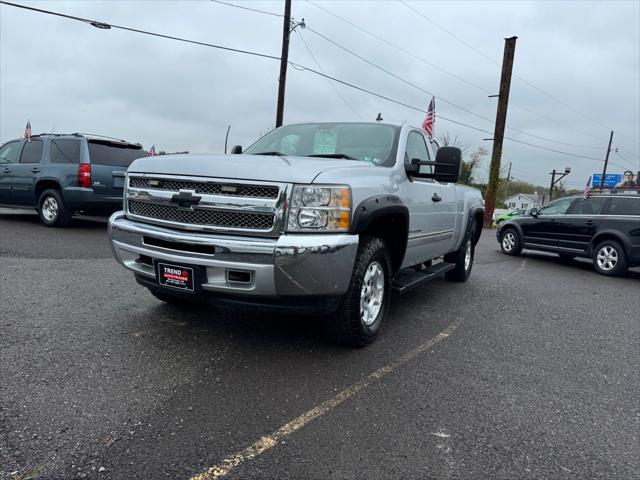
(604, 227)
(518, 212)
(59, 175)
(314, 215)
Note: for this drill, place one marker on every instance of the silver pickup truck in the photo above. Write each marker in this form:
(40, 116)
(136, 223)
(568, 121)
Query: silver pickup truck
(319, 215)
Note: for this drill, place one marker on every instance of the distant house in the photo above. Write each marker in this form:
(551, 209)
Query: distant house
(523, 200)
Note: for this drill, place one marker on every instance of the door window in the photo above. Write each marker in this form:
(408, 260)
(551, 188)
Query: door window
(32, 152)
(590, 206)
(623, 206)
(417, 148)
(559, 207)
(9, 152)
(65, 151)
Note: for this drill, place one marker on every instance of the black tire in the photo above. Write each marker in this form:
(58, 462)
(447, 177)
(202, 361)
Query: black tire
(610, 259)
(512, 247)
(52, 210)
(462, 270)
(350, 323)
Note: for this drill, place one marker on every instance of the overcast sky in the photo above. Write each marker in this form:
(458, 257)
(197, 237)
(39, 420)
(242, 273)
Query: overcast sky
(68, 76)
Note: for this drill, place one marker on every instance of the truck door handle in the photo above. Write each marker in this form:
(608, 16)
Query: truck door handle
(35, 169)
(436, 198)
(590, 222)
(6, 170)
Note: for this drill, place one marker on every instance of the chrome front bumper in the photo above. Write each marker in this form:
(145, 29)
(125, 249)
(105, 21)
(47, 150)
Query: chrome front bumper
(290, 265)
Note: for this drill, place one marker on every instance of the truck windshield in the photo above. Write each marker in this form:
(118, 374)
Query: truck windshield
(366, 142)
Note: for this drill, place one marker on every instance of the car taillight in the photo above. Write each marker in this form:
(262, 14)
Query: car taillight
(84, 175)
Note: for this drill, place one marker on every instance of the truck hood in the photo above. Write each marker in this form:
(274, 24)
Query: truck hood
(243, 167)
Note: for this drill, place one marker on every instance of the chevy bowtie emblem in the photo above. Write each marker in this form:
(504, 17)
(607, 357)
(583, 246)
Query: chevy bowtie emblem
(186, 199)
(229, 188)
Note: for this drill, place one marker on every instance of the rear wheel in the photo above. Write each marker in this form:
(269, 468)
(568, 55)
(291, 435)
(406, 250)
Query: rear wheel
(463, 259)
(365, 306)
(52, 210)
(510, 242)
(609, 258)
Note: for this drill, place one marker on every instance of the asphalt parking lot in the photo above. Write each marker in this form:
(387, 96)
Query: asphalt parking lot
(531, 369)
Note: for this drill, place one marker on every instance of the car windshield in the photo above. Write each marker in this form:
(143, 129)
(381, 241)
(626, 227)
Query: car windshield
(366, 142)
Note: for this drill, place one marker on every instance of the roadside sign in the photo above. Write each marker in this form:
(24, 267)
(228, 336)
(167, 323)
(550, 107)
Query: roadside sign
(610, 181)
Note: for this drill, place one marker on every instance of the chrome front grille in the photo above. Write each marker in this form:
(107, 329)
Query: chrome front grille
(199, 216)
(210, 188)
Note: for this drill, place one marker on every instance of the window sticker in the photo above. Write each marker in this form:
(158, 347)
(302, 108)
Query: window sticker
(324, 141)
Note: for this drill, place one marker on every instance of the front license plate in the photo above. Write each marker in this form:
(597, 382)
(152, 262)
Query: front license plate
(175, 276)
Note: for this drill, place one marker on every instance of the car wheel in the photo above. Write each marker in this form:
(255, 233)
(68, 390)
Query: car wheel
(510, 242)
(52, 210)
(463, 260)
(365, 305)
(609, 258)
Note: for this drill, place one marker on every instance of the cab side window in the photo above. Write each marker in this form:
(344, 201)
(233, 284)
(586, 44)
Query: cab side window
(32, 152)
(589, 206)
(9, 152)
(559, 207)
(65, 151)
(623, 206)
(417, 148)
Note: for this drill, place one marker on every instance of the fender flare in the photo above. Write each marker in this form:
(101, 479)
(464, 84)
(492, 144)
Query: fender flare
(611, 233)
(380, 206)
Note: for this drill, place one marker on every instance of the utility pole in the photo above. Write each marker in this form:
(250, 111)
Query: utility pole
(553, 182)
(553, 174)
(284, 59)
(606, 161)
(508, 180)
(501, 118)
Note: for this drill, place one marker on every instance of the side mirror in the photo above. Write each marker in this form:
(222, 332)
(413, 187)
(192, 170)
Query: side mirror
(236, 149)
(534, 212)
(413, 167)
(448, 164)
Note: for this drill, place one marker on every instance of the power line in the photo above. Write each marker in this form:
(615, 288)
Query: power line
(255, 10)
(335, 89)
(351, 52)
(392, 45)
(106, 26)
(523, 80)
(295, 65)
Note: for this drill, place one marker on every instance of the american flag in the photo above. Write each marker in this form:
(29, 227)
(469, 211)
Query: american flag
(428, 123)
(152, 151)
(587, 189)
(27, 131)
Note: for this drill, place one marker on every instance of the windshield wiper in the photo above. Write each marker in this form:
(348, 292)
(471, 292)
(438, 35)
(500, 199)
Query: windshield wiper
(333, 155)
(279, 154)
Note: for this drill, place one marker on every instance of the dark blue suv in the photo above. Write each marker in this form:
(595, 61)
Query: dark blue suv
(59, 175)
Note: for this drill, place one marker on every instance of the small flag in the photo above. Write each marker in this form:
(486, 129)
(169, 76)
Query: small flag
(152, 151)
(430, 120)
(587, 189)
(27, 131)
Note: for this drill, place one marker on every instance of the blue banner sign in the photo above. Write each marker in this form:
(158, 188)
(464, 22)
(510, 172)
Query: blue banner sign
(610, 181)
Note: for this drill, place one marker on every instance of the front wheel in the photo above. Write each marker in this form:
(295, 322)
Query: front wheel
(609, 258)
(510, 243)
(365, 306)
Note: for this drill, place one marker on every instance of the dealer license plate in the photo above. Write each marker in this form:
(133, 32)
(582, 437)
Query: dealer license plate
(175, 276)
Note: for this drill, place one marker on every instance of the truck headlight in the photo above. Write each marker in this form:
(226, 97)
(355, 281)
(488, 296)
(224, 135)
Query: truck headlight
(320, 207)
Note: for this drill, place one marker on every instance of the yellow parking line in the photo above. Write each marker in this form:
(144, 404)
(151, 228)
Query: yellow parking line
(269, 441)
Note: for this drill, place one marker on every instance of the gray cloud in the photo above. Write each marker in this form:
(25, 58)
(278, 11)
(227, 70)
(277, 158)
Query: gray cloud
(180, 96)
